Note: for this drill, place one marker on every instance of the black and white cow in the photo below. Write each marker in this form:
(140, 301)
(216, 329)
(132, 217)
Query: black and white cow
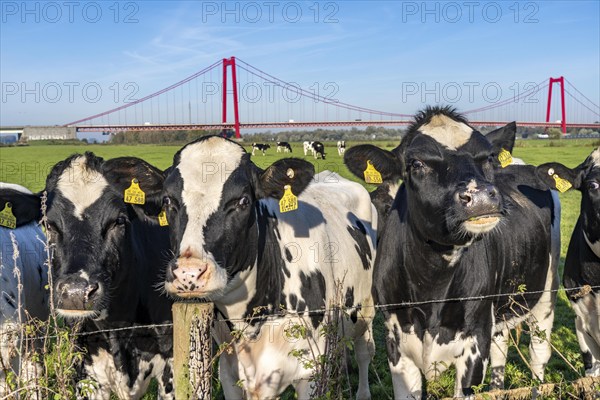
(284, 147)
(582, 264)
(341, 146)
(461, 227)
(308, 147)
(235, 247)
(109, 257)
(23, 280)
(260, 147)
(318, 150)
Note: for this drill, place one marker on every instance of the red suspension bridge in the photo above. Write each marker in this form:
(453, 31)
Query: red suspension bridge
(260, 100)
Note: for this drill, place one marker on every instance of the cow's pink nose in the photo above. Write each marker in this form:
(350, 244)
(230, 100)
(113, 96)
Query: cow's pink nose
(190, 277)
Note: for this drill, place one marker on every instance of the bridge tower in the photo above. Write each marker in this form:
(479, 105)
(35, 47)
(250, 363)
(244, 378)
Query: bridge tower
(563, 120)
(226, 63)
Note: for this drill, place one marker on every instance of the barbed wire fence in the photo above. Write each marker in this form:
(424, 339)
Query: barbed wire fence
(585, 386)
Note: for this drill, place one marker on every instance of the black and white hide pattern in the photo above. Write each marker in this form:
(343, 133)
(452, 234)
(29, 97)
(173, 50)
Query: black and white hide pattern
(284, 147)
(341, 146)
(307, 145)
(265, 270)
(261, 147)
(23, 280)
(109, 258)
(318, 150)
(461, 226)
(582, 264)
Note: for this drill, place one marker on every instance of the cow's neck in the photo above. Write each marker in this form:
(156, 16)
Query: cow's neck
(437, 255)
(257, 291)
(593, 245)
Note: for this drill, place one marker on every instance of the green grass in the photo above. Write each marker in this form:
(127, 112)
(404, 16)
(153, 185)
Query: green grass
(29, 166)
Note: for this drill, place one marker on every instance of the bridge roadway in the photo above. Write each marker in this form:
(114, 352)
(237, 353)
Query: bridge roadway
(300, 124)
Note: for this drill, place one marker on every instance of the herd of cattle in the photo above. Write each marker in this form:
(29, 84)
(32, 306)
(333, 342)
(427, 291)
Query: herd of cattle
(317, 149)
(466, 248)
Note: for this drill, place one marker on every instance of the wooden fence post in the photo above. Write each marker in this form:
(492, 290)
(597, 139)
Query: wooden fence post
(192, 350)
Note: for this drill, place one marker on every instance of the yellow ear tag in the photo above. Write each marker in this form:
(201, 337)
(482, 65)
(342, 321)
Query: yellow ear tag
(7, 218)
(505, 158)
(371, 174)
(289, 202)
(135, 195)
(562, 185)
(162, 218)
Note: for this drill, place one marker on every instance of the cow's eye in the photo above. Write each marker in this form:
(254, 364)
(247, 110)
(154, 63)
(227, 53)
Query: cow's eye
(244, 202)
(593, 185)
(166, 201)
(120, 220)
(417, 164)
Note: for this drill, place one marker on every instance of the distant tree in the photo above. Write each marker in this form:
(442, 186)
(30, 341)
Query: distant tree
(555, 133)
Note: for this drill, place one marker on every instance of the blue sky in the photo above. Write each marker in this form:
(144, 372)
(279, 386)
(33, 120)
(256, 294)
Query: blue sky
(387, 55)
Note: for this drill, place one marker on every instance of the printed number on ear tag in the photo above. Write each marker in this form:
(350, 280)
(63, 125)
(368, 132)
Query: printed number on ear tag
(505, 158)
(135, 195)
(289, 202)
(371, 174)
(562, 185)
(7, 218)
(162, 218)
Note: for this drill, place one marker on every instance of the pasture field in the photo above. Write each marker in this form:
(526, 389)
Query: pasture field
(30, 165)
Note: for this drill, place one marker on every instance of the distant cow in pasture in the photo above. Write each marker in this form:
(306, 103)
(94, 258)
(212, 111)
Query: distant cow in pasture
(260, 147)
(341, 146)
(23, 280)
(284, 147)
(462, 226)
(307, 147)
(234, 245)
(582, 264)
(318, 150)
(109, 257)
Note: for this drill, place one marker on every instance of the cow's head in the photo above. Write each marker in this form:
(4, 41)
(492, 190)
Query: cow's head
(211, 196)
(586, 178)
(448, 171)
(87, 222)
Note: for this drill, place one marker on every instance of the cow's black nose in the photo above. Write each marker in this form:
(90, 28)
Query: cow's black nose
(479, 200)
(77, 294)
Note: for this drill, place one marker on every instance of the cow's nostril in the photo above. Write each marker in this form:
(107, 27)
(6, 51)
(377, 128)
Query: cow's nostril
(92, 289)
(465, 198)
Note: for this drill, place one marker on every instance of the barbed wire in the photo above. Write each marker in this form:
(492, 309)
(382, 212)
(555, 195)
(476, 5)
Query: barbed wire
(307, 313)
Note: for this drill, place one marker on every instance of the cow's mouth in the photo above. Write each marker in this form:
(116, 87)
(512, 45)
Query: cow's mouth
(77, 314)
(189, 295)
(481, 223)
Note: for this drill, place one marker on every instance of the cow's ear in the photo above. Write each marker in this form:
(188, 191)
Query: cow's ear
(25, 207)
(294, 172)
(120, 172)
(357, 159)
(554, 174)
(503, 138)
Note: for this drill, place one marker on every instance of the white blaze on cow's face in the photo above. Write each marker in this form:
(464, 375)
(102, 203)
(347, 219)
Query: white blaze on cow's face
(204, 167)
(447, 132)
(81, 186)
